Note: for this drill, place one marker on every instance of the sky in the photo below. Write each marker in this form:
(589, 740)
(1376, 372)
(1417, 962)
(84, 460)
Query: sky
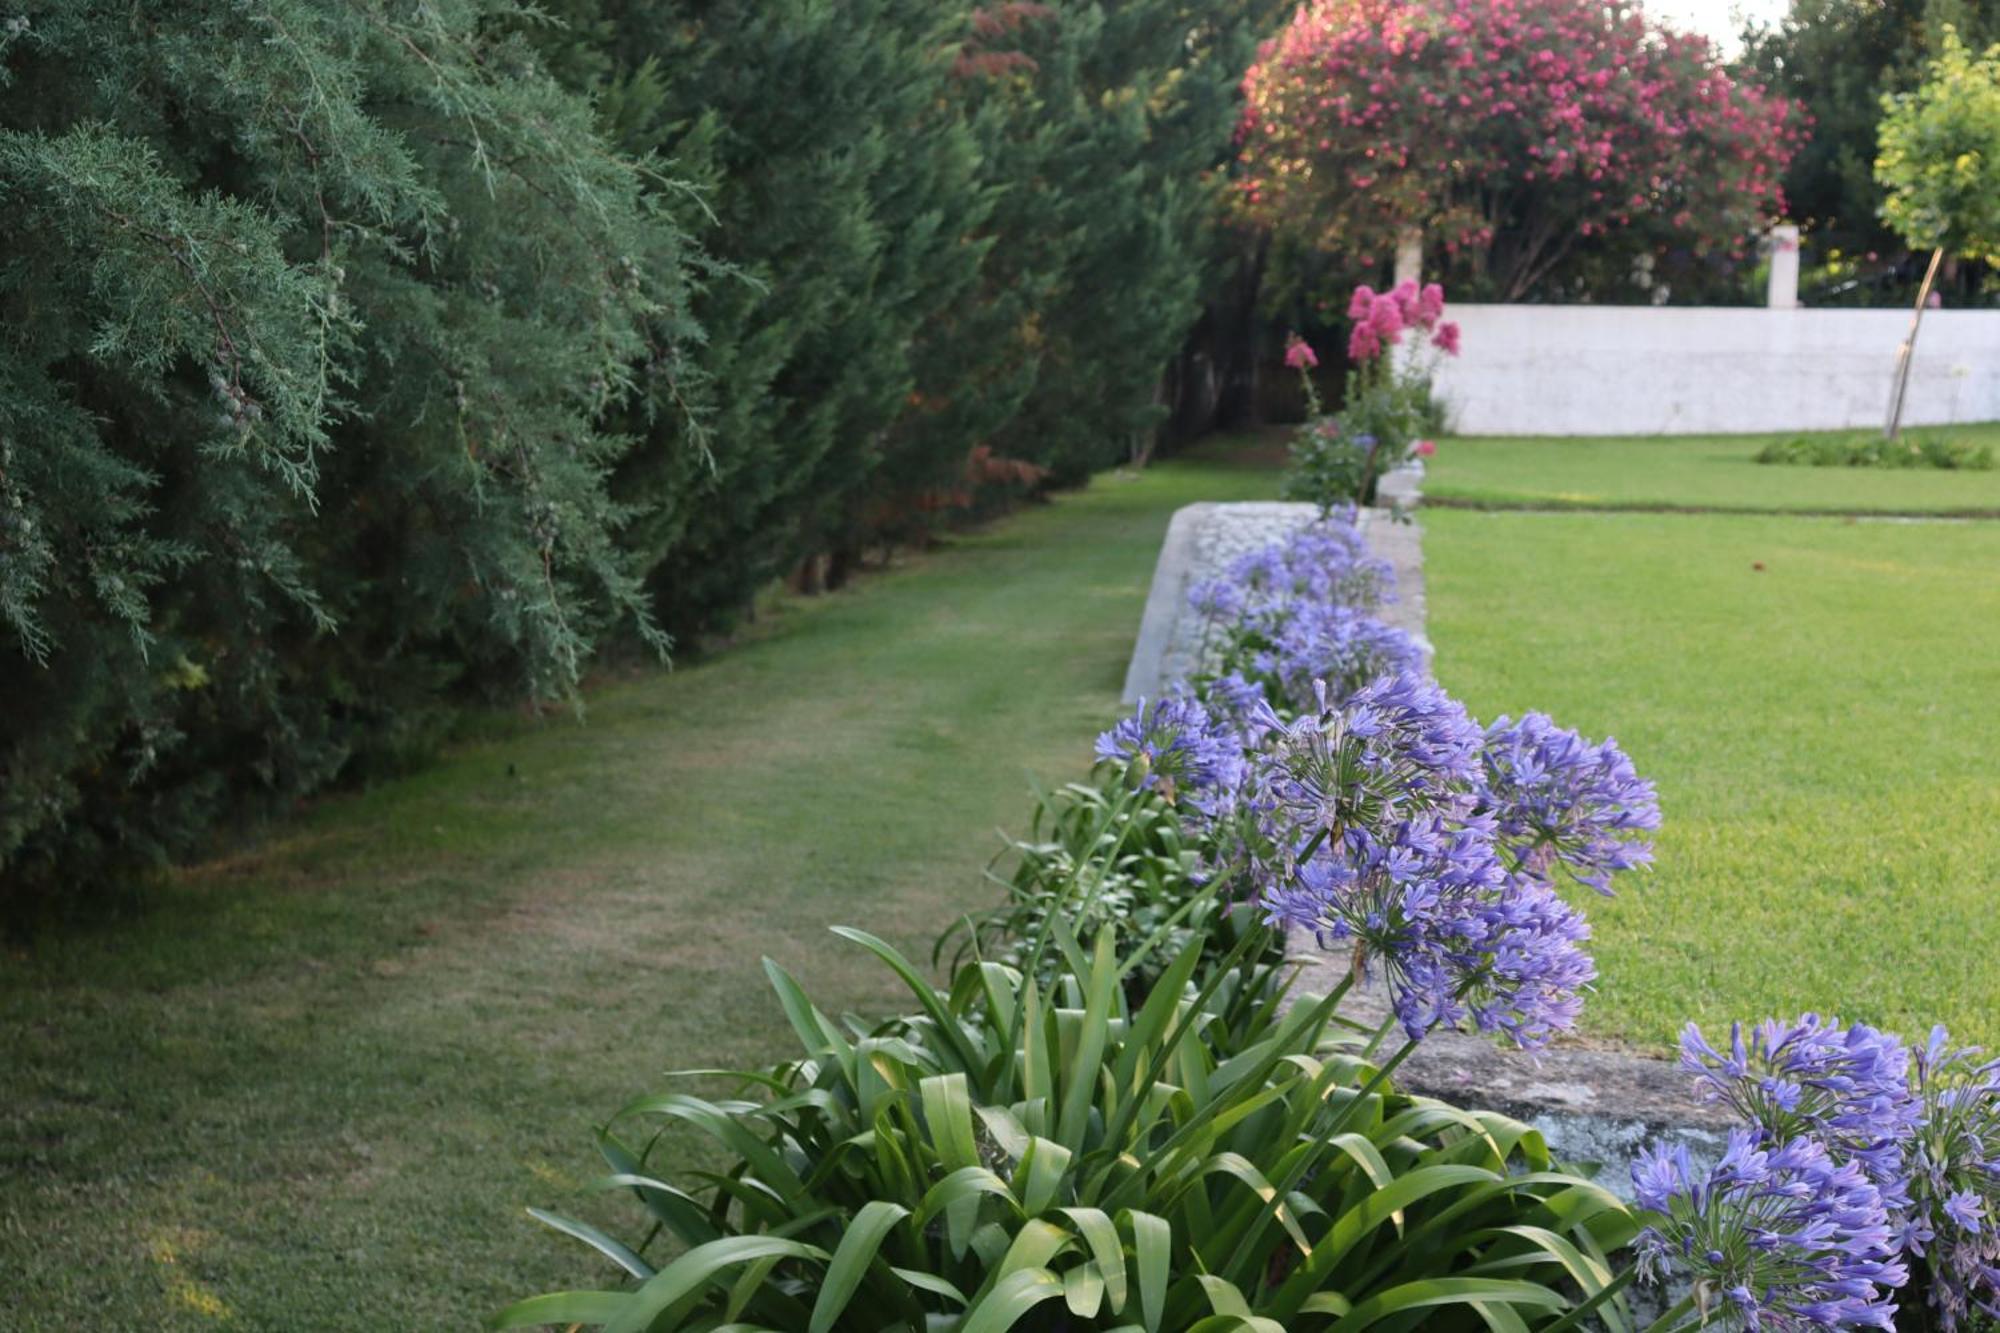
(1719, 19)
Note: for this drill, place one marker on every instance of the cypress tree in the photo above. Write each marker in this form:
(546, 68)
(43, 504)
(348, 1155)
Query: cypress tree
(312, 311)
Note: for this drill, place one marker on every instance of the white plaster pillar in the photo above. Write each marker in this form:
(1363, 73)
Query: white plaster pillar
(1783, 290)
(1409, 255)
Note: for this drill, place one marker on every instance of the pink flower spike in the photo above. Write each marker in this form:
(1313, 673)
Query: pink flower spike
(1423, 448)
(1405, 293)
(1299, 354)
(1364, 344)
(1446, 338)
(1385, 319)
(1430, 304)
(1358, 304)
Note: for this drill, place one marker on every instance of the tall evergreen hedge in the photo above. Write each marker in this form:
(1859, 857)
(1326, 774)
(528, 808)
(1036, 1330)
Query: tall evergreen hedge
(311, 312)
(363, 357)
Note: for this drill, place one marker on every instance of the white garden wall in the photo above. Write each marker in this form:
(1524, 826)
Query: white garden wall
(1641, 370)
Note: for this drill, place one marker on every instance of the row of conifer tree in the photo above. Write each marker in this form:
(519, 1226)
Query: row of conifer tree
(363, 359)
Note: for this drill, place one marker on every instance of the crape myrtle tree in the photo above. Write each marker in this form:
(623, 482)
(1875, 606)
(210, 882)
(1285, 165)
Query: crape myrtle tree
(1515, 135)
(311, 314)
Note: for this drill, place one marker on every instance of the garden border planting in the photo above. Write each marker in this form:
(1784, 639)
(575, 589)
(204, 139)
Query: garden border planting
(1595, 1105)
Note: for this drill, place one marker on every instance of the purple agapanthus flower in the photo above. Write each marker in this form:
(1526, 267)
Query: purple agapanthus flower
(1561, 801)
(1953, 1162)
(1341, 647)
(1847, 1087)
(1369, 804)
(1173, 745)
(1398, 746)
(1780, 1237)
(1237, 702)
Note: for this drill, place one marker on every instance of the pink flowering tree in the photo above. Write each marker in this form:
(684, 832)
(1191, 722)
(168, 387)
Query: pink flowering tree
(1509, 132)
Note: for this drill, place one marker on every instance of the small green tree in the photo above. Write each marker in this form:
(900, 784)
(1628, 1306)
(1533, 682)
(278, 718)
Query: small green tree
(1939, 168)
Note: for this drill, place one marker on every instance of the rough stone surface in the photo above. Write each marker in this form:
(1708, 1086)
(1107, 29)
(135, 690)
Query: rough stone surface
(1597, 1107)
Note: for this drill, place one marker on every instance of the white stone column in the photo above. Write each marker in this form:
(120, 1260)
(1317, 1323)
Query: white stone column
(1409, 255)
(1783, 291)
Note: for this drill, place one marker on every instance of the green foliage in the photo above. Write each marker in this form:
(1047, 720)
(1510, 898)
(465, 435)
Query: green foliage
(313, 311)
(1940, 155)
(1839, 58)
(359, 362)
(1909, 451)
(1010, 1146)
(1388, 407)
(1108, 141)
(838, 180)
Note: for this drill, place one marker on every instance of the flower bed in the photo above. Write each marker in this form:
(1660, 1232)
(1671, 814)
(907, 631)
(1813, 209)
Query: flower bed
(1114, 1114)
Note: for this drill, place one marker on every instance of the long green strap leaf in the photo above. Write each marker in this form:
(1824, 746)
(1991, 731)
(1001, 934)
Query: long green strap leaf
(1446, 1291)
(614, 1250)
(1013, 1296)
(699, 1266)
(857, 1249)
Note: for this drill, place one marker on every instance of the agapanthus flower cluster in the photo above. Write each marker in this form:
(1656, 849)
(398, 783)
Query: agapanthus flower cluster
(1326, 562)
(1846, 1087)
(1560, 802)
(1176, 747)
(1774, 1236)
(1373, 813)
(1335, 647)
(1295, 612)
(1923, 1126)
(1369, 807)
(1953, 1165)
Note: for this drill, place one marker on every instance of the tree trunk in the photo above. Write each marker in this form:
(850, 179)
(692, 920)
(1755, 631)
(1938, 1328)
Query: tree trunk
(1909, 349)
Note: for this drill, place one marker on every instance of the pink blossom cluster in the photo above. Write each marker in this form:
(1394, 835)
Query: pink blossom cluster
(1381, 318)
(1364, 116)
(1299, 354)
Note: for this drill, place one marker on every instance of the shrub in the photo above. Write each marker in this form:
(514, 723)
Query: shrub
(1509, 134)
(1876, 451)
(313, 313)
(1010, 1152)
(1388, 406)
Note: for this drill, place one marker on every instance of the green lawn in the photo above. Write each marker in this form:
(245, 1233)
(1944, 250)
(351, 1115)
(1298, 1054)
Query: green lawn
(1702, 472)
(1819, 702)
(315, 1085)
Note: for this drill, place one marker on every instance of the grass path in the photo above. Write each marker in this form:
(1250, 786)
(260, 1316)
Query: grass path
(1819, 702)
(315, 1085)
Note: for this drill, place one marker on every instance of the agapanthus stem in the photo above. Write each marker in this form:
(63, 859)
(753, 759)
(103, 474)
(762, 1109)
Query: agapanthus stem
(1609, 1291)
